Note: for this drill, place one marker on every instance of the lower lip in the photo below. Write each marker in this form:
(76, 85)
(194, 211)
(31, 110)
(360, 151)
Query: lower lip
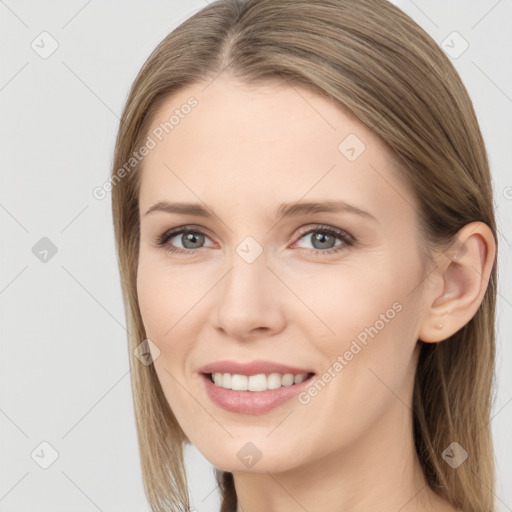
(252, 402)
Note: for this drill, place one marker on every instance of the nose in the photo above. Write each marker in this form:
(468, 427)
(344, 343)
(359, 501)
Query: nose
(248, 300)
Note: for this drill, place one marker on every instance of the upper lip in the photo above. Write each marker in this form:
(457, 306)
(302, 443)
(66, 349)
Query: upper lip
(251, 368)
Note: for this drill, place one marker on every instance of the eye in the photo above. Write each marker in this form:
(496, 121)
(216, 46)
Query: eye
(190, 239)
(323, 240)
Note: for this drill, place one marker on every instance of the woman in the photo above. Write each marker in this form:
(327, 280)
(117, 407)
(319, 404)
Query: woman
(307, 247)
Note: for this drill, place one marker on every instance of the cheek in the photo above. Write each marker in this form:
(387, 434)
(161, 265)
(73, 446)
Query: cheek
(165, 295)
(361, 320)
(344, 299)
(173, 305)
(153, 301)
(163, 310)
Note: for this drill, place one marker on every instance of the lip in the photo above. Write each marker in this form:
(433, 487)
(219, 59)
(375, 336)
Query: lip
(252, 402)
(251, 368)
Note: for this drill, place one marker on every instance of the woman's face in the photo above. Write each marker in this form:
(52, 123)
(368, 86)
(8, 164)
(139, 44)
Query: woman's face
(337, 293)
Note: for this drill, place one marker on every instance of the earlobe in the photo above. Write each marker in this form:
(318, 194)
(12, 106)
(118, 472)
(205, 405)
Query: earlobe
(463, 272)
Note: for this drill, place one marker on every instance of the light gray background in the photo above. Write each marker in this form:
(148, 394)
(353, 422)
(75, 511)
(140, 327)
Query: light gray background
(64, 362)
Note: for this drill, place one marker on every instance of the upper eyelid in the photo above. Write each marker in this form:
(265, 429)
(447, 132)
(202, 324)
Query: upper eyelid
(171, 233)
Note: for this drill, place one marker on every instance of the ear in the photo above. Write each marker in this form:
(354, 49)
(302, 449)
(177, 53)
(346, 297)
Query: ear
(458, 283)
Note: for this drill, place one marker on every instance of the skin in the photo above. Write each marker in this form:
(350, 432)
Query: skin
(242, 152)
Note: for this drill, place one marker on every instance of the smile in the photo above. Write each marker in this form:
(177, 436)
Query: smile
(258, 400)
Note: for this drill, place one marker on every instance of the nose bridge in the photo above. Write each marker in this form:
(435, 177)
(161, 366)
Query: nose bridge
(248, 262)
(247, 281)
(247, 299)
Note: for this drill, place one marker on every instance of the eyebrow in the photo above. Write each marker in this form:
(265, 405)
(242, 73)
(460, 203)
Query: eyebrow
(284, 210)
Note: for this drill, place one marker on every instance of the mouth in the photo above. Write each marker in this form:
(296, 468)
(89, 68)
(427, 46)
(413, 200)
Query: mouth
(253, 394)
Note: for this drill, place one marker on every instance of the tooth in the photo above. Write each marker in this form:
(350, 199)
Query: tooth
(239, 382)
(226, 380)
(299, 378)
(257, 382)
(217, 378)
(287, 379)
(274, 381)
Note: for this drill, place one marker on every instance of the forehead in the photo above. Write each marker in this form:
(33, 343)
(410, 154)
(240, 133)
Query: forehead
(255, 145)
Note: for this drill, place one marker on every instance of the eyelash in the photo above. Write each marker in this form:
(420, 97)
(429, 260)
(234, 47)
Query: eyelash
(348, 240)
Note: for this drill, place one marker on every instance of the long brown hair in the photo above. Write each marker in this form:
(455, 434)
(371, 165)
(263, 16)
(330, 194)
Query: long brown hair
(375, 61)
